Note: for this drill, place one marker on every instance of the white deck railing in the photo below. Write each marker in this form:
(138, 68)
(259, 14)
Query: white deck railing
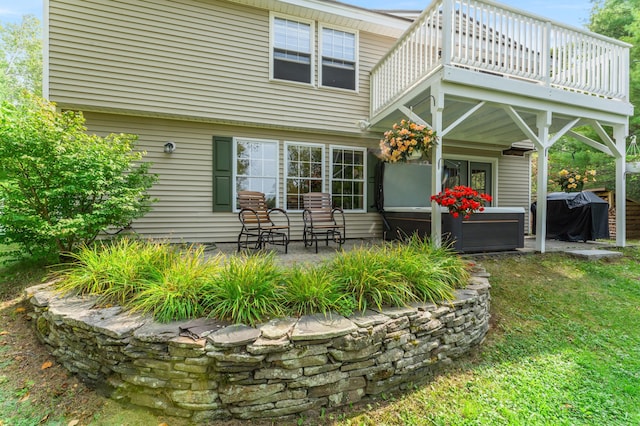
(484, 36)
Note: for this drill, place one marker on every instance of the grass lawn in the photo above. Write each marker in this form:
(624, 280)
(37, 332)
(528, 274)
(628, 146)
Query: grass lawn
(563, 349)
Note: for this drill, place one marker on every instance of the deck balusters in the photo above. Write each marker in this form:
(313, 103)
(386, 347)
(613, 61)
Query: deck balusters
(480, 36)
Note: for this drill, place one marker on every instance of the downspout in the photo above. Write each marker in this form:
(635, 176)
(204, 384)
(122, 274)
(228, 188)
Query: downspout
(45, 49)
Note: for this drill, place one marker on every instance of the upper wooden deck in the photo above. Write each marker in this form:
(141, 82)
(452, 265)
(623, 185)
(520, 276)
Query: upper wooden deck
(485, 37)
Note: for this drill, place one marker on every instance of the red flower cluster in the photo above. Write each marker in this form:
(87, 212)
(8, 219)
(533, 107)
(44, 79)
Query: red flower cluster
(461, 200)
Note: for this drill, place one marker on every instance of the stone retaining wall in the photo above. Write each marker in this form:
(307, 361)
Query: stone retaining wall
(282, 368)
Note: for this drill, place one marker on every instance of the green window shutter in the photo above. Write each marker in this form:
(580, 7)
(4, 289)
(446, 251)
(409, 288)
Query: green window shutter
(372, 164)
(222, 173)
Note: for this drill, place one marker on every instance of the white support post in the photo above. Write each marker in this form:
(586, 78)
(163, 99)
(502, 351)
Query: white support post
(437, 161)
(543, 123)
(619, 135)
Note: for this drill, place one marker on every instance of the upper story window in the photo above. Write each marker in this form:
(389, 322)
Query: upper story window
(292, 46)
(256, 168)
(339, 61)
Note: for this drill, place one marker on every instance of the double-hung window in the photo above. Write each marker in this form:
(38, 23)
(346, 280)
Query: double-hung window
(339, 61)
(304, 172)
(348, 174)
(256, 168)
(292, 43)
(293, 49)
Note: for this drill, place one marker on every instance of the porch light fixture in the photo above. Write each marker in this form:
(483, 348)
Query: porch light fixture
(169, 147)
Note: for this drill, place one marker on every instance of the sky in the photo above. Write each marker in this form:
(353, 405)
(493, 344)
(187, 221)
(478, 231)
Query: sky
(572, 12)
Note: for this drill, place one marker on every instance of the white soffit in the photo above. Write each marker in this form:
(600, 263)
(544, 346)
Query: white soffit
(336, 13)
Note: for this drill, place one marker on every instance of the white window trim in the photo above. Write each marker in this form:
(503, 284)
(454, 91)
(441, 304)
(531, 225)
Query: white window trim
(285, 172)
(364, 179)
(234, 191)
(357, 57)
(312, 42)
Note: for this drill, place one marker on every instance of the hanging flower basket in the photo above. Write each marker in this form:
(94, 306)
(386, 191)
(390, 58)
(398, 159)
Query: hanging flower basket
(633, 157)
(633, 167)
(407, 141)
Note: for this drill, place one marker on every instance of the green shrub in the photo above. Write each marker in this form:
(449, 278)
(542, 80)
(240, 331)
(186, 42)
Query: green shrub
(364, 273)
(248, 290)
(315, 290)
(61, 185)
(175, 291)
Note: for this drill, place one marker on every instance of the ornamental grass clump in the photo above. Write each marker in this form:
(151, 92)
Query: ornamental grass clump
(314, 290)
(434, 272)
(366, 275)
(425, 267)
(175, 291)
(115, 270)
(461, 200)
(176, 282)
(248, 290)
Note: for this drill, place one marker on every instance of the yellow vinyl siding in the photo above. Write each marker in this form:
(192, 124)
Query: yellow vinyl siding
(184, 190)
(513, 184)
(184, 210)
(207, 60)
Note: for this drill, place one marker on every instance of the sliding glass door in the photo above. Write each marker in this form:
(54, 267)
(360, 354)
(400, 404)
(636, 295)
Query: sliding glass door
(477, 175)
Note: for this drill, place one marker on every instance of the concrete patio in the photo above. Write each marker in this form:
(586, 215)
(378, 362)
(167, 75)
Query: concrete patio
(300, 254)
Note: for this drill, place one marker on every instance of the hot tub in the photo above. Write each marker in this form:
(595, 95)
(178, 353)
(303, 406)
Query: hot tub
(494, 229)
(403, 199)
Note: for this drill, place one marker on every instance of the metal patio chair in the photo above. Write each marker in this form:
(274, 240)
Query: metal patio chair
(258, 228)
(322, 219)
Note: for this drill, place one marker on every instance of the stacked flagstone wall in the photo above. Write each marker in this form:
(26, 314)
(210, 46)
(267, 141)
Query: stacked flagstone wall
(282, 368)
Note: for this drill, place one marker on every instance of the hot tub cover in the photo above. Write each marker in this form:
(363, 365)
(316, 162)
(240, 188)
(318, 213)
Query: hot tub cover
(575, 216)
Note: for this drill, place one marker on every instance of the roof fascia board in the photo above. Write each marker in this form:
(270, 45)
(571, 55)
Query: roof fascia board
(368, 19)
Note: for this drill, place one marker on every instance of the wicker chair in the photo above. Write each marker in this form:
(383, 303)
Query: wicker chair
(322, 219)
(258, 228)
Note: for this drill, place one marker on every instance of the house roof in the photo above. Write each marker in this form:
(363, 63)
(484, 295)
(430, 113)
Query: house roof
(388, 23)
(402, 13)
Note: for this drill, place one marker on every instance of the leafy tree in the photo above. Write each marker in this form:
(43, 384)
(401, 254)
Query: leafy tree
(620, 19)
(64, 185)
(20, 58)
